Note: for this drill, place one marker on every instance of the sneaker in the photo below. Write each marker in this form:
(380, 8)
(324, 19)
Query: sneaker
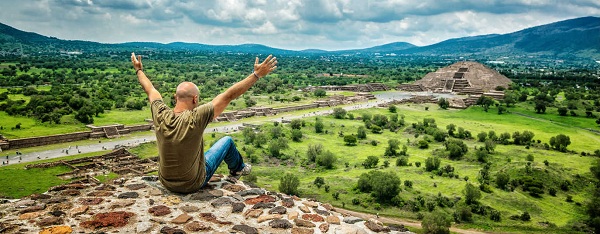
(245, 171)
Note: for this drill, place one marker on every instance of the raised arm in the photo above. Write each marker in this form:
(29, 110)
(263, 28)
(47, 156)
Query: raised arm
(152, 93)
(239, 88)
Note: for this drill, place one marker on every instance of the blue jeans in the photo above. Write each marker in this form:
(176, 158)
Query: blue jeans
(224, 149)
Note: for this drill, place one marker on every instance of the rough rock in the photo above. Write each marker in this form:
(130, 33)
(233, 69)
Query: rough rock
(280, 223)
(57, 213)
(298, 230)
(234, 188)
(324, 227)
(110, 219)
(181, 219)
(71, 192)
(135, 186)
(237, 207)
(250, 192)
(287, 202)
(37, 196)
(91, 201)
(50, 221)
(128, 195)
(143, 227)
(171, 200)
(332, 219)
(328, 207)
(210, 217)
(252, 213)
(57, 230)
(349, 229)
(293, 215)
(310, 204)
(261, 198)
(263, 205)
(32, 209)
(206, 195)
(304, 209)
(150, 178)
(322, 212)
(189, 209)
(376, 226)
(245, 229)
(222, 201)
(197, 226)
(352, 220)
(122, 204)
(278, 210)
(100, 193)
(304, 223)
(263, 218)
(31, 215)
(170, 230)
(159, 210)
(313, 217)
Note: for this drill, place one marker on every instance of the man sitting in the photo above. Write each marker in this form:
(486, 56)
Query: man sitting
(184, 167)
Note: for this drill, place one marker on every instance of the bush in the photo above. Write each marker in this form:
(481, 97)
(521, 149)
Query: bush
(392, 108)
(288, 184)
(296, 135)
(418, 164)
(355, 201)
(472, 194)
(314, 151)
(432, 163)
(402, 161)
(481, 136)
(296, 124)
(437, 222)
(560, 142)
(408, 183)
(502, 179)
(361, 133)
(457, 148)
(530, 157)
(326, 160)
(319, 126)
(339, 113)
(552, 192)
(392, 149)
(495, 216)
(423, 144)
(374, 143)
(350, 140)
(376, 129)
(562, 111)
(320, 93)
(319, 181)
(463, 214)
(276, 146)
(443, 103)
(370, 162)
(525, 216)
(382, 185)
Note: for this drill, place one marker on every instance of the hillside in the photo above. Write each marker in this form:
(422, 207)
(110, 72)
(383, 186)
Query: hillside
(565, 39)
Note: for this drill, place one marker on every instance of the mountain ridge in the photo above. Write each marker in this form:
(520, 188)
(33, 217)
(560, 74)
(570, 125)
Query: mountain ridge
(577, 37)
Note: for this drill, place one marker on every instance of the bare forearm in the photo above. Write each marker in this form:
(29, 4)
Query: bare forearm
(145, 82)
(239, 88)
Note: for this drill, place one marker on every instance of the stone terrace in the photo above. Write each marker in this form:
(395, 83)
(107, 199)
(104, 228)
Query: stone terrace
(142, 205)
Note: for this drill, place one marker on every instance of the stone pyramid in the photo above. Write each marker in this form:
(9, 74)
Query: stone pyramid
(463, 77)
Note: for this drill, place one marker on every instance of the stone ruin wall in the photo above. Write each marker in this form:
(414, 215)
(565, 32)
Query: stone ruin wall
(68, 137)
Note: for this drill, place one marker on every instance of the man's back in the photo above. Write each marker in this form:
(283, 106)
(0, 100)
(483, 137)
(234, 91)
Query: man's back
(179, 139)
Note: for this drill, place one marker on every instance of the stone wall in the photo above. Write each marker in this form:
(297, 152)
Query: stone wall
(96, 132)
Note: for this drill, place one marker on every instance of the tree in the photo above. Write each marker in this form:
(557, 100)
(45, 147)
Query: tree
(370, 162)
(402, 161)
(490, 146)
(313, 152)
(249, 135)
(437, 222)
(560, 142)
(260, 140)
(481, 136)
(288, 184)
(457, 148)
(392, 108)
(540, 107)
(326, 160)
(443, 103)
(504, 138)
(376, 129)
(382, 185)
(485, 102)
(502, 179)
(392, 149)
(472, 194)
(276, 146)
(249, 102)
(296, 124)
(319, 125)
(319, 181)
(432, 163)
(339, 113)
(361, 133)
(320, 93)
(562, 111)
(296, 135)
(350, 140)
(451, 128)
(276, 132)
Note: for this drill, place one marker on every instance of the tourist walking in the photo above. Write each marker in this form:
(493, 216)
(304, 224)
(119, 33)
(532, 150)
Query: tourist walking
(184, 167)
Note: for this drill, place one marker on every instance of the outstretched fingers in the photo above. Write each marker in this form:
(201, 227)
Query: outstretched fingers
(139, 58)
(267, 59)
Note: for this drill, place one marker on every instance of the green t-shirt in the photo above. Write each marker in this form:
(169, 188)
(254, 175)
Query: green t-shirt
(180, 146)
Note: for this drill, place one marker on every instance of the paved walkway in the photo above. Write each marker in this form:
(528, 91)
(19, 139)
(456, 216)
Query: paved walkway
(109, 144)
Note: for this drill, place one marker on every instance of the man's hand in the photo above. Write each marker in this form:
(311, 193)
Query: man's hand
(137, 62)
(265, 67)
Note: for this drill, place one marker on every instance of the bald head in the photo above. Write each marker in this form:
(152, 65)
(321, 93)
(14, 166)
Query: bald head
(186, 91)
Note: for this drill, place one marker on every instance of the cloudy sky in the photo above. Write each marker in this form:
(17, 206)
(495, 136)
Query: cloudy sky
(288, 24)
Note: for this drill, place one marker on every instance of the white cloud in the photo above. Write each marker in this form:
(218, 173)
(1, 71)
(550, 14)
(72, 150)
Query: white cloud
(289, 24)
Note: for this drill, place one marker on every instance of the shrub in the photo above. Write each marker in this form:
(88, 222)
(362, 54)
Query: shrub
(370, 162)
(392, 149)
(296, 124)
(276, 146)
(339, 113)
(402, 161)
(457, 148)
(319, 181)
(374, 143)
(560, 142)
(562, 111)
(432, 163)
(463, 214)
(495, 216)
(502, 179)
(376, 129)
(552, 192)
(336, 195)
(437, 222)
(382, 185)
(361, 133)
(408, 183)
(326, 159)
(418, 164)
(288, 184)
(314, 151)
(392, 108)
(320, 93)
(423, 144)
(481, 136)
(350, 140)
(319, 125)
(525, 216)
(472, 194)
(296, 135)
(355, 201)
(443, 103)
(326, 188)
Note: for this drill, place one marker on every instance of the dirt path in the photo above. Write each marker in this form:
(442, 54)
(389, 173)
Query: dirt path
(390, 220)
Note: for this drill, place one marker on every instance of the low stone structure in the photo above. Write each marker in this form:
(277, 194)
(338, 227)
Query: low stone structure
(142, 205)
(108, 131)
(370, 87)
